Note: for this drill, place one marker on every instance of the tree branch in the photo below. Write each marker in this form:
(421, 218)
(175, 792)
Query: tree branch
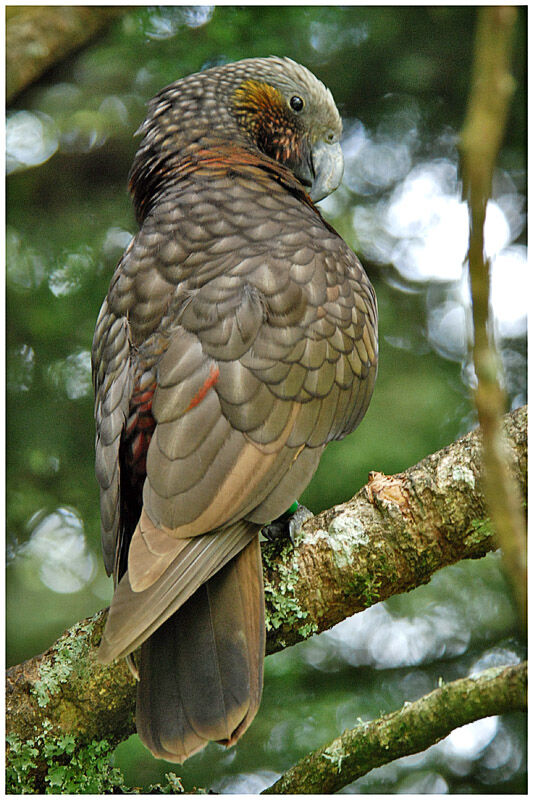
(415, 727)
(492, 89)
(37, 37)
(392, 536)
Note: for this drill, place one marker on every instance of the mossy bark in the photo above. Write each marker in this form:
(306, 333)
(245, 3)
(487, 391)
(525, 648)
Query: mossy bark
(392, 536)
(67, 687)
(413, 728)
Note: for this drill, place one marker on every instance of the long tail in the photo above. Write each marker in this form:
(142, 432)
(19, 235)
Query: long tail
(201, 672)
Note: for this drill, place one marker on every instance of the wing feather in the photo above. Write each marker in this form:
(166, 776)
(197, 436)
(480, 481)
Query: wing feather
(134, 616)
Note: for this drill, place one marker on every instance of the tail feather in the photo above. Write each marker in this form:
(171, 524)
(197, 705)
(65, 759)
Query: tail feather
(135, 615)
(253, 600)
(201, 672)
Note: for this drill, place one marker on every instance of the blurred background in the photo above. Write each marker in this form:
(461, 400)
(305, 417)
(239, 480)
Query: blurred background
(400, 76)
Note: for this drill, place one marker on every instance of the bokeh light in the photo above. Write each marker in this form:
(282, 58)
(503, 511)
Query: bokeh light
(31, 139)
(57, 545)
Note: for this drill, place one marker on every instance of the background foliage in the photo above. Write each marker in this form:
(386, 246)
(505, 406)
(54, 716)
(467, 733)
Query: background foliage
(400, 77)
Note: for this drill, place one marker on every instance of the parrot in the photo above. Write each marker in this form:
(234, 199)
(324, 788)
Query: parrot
(237, 338)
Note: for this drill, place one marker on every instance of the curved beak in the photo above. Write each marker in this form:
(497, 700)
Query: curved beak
(328, 166)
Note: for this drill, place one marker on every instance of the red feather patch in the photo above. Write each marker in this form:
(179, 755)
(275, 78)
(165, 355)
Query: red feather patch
(141, 423)
(208, 384)
(140, 428)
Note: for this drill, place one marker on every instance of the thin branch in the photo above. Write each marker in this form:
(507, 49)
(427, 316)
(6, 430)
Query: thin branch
(415, 727)
(492, 89)
(392, 536)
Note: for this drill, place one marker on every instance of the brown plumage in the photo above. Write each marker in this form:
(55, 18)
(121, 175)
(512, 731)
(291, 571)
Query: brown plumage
(237, 338)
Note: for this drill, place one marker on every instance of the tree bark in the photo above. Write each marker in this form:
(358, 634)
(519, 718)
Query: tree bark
(37, 37)
(415, 727)
(392, 536)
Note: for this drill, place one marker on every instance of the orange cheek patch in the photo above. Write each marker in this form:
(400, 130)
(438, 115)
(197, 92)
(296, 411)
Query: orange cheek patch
(262, 111)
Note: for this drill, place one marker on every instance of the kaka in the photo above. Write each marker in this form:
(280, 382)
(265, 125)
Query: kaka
(237, 338)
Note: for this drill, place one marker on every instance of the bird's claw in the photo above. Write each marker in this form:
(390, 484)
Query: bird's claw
(288, 523)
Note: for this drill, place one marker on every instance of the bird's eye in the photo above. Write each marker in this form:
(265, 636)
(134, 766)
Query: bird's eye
(296, 103)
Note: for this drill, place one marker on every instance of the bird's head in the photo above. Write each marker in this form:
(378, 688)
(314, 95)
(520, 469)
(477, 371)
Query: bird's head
(292, 117)
(272, 107)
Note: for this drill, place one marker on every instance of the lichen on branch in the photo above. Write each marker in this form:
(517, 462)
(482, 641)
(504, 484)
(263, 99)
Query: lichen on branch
(414, 727)
(392, 536)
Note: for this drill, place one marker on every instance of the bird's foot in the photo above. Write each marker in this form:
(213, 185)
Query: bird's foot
(290, 523)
